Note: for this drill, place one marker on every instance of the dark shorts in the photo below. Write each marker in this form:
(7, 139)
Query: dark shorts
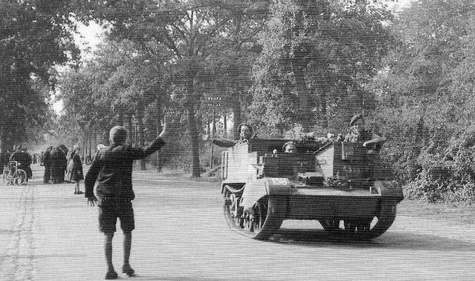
(110, 209)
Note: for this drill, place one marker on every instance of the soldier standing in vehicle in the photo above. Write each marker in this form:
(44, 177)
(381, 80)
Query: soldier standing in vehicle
(245, 134)
(290, 147)
(358, 133)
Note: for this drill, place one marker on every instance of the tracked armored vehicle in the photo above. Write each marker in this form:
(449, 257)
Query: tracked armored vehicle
(342, 185)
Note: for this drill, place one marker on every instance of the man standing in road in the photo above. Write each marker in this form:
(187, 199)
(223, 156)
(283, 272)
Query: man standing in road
(112, 168)
(47, 164)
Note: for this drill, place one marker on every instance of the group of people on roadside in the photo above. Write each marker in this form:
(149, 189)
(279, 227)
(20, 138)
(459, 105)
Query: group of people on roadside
(63, 165)
(55, 162)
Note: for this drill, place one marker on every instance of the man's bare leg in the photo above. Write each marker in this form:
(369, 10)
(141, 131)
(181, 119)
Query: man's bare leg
(111, 274)
(126, 268)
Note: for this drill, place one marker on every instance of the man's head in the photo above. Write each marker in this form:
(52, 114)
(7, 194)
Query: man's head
(118, 135)
(357, 122)
(290, 147)
(245, 131)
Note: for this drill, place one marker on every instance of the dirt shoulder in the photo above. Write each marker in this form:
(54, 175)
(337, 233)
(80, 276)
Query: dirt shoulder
(456, 213)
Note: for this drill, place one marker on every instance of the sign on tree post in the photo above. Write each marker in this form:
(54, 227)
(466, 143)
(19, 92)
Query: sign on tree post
(213, 101)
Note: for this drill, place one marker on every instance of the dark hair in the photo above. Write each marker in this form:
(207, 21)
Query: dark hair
(289, 143)
(118, 135)
(247, 125)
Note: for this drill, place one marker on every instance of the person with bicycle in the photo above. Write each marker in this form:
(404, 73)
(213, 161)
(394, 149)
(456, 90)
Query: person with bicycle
(24, 160)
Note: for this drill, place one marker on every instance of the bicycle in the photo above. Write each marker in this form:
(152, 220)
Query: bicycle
(12, 174)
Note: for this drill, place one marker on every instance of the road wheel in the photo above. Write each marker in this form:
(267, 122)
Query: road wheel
(266, 217)
(330, 224)
(369, 229)
(231, 210)
(260, 222)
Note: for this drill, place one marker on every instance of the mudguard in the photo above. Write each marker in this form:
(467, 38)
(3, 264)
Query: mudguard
(254, 191)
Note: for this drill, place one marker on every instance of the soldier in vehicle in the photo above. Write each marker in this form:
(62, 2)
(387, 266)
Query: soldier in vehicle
(290, 147)
(358, 133)
(245, 134)
(371, 141)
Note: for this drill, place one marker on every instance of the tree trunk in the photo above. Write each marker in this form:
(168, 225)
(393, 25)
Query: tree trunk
(128, 127)
(158, 114)
(323, 104)
(194, 134)
(2, 138)
(194, 138)
(237, 118)
(303, 94)
(225, 124)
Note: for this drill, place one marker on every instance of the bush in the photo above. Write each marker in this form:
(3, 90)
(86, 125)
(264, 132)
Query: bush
(445, 177)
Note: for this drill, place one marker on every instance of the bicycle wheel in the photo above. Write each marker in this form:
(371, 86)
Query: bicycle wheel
(21, 176)
(7, 178)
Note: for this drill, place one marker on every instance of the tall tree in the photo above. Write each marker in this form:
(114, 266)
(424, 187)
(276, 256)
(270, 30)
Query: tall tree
(231, 58)
(187, 28)
(317, 56)
(34, 36)
(424, 98)
(116, 87)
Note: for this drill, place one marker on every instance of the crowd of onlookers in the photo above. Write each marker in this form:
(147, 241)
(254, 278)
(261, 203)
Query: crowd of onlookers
(61, 164)
(55, 161)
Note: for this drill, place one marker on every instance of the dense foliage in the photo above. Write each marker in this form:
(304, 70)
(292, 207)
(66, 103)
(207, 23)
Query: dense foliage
(317, 57)
(34, 36)
(425, 98)
(286, 67)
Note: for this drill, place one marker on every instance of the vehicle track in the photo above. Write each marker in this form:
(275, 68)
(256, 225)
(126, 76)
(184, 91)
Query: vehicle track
(19, 262)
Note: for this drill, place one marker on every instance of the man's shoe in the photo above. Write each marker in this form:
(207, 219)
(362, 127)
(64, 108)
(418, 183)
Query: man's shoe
(128, 270)
(111, 274)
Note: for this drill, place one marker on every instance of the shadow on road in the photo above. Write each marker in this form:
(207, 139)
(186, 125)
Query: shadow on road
(179, 278)
(410, 241)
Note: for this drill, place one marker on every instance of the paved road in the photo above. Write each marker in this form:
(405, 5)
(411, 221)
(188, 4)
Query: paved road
(47, 233)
